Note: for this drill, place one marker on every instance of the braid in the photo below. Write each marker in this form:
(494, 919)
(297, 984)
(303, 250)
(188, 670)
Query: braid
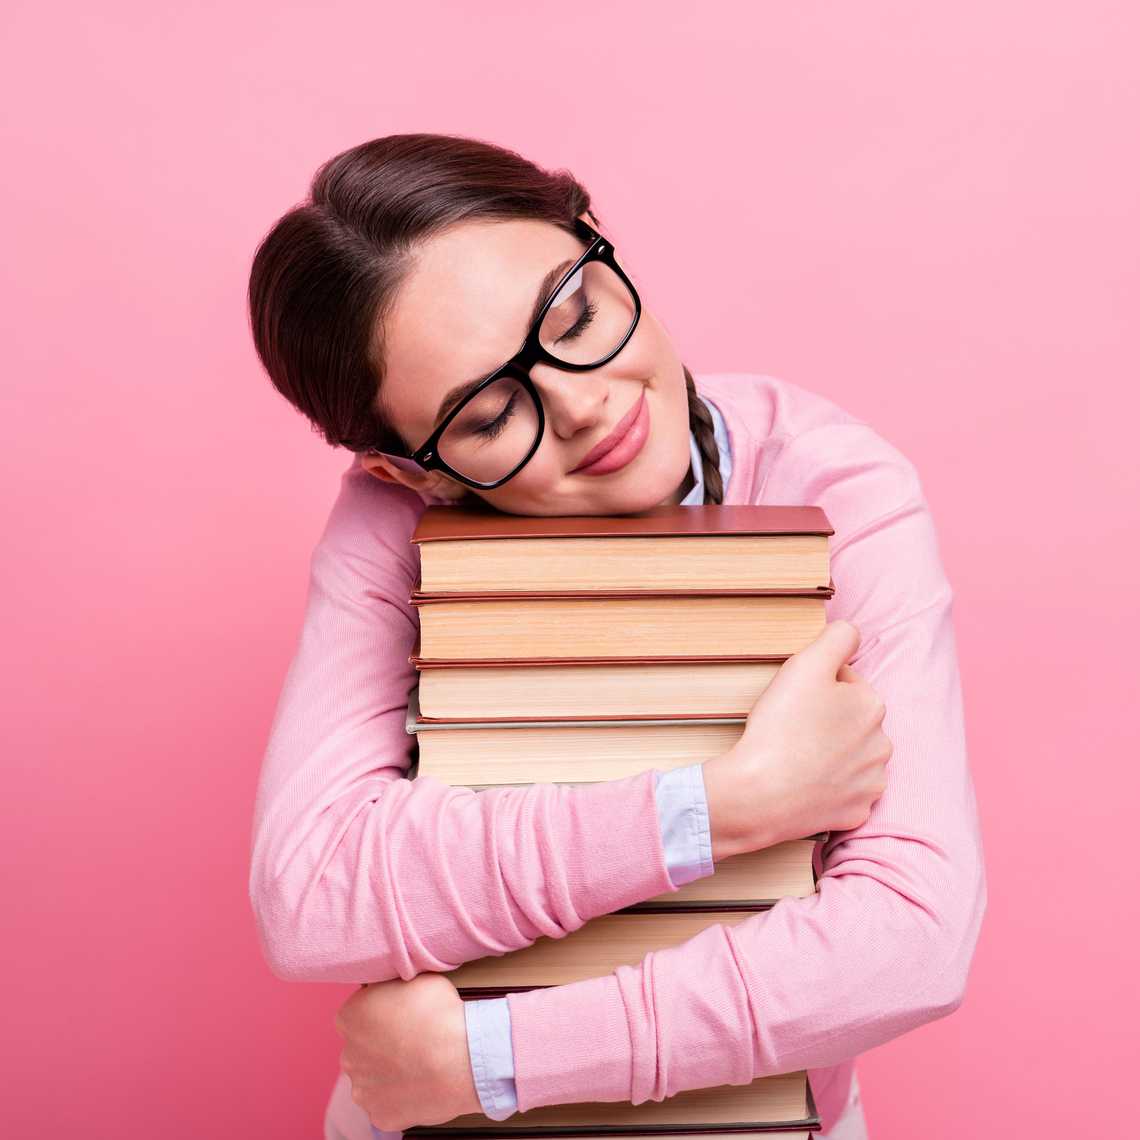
(701, 425)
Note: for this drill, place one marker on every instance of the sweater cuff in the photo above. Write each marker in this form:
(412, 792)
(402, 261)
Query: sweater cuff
(584, 1020)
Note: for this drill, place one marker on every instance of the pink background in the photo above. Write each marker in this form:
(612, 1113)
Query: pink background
(926, 212)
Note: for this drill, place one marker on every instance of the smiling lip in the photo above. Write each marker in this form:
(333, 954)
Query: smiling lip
(621, 445)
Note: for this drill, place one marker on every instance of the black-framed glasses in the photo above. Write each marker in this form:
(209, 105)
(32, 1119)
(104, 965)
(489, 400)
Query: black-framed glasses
(490, 434)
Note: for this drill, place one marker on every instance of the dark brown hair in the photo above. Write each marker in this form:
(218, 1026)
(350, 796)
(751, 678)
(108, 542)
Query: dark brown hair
(324, 277)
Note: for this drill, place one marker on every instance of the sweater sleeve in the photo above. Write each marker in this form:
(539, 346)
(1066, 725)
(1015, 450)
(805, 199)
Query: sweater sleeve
(360, 874)
(683, 818)
(886, 942)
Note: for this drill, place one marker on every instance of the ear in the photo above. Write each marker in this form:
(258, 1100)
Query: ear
(431, 483)
(378, 466)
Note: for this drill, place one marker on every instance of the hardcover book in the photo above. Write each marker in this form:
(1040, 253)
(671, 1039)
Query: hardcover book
(780, 1107)
(741, 547)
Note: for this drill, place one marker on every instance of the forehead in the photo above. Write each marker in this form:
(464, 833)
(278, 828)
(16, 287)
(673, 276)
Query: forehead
(462, 309)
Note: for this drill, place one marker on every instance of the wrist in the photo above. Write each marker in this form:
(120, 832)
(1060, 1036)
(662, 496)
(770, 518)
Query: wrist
(728, 835)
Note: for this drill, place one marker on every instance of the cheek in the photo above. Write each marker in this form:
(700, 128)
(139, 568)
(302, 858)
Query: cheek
(530, 486)
(544, 470)
(648, 353)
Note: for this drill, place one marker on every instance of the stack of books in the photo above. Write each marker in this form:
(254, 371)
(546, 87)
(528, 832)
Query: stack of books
(572, 649)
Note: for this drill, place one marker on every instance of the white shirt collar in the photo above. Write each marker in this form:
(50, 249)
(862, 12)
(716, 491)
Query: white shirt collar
(696, 495)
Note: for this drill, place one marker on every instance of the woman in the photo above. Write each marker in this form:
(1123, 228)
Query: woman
(389, 309)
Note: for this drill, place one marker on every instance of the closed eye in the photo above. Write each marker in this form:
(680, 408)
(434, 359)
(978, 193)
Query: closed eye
(495, 427)
(581, 324)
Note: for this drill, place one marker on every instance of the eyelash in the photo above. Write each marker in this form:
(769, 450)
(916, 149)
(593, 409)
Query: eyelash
(582, 323)
(491, 430)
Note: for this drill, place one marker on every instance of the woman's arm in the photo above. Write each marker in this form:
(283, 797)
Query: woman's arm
(885, 945)
(358, 874)
(683, 819)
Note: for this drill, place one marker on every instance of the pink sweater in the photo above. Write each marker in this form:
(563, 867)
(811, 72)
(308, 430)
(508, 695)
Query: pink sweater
(358, 874)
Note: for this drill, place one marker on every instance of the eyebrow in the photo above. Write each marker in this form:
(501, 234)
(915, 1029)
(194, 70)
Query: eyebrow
(547, 284)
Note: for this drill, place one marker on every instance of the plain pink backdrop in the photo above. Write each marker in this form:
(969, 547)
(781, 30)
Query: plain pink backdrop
(928, 213)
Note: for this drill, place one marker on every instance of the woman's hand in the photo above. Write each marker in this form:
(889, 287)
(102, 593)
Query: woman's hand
(813, 755)
(406, 1052)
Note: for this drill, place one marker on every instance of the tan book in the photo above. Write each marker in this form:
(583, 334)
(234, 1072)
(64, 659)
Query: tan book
(472, 754)
(597, 948)
(479, 755)
(631, 626)
(747, 547)
(780, 1107)
(594, 950)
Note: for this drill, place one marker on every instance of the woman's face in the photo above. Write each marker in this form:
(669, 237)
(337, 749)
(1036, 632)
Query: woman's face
(463, 309)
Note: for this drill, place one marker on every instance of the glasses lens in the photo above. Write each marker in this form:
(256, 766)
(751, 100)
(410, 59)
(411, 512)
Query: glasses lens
(590, 316)
(493, 432)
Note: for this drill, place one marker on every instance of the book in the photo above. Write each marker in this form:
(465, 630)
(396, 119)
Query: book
(482, 753)
(547, 753)
(476, 548)
(780, 1107)
(593, 688)
(622, 938)
(709, 625)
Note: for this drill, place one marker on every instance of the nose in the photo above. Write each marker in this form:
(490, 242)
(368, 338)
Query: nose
(571, 401)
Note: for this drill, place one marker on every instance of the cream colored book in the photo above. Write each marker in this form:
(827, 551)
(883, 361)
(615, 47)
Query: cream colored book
(561, 690)
(480, 756)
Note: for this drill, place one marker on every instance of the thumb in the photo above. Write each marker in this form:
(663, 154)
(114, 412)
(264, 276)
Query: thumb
(832, 648)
